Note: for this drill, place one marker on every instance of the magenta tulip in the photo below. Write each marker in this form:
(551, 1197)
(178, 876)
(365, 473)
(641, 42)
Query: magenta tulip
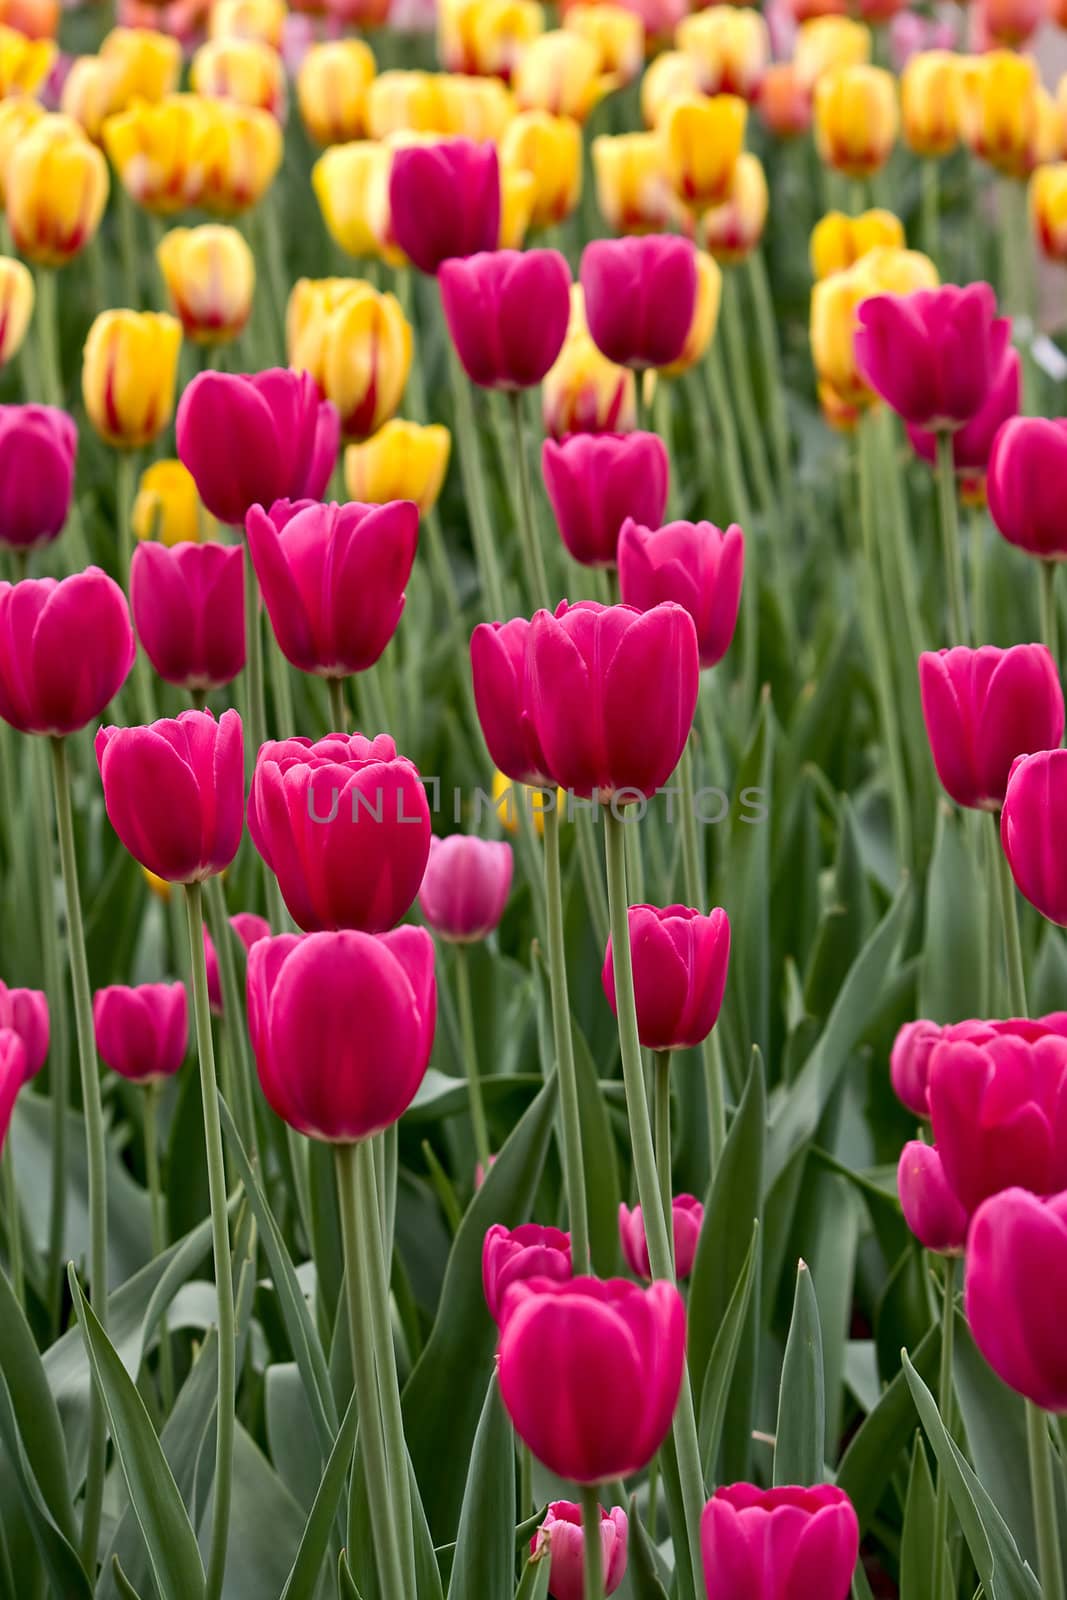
(692, 563)
(498, 668)
(679, 964)
(909, 1060)
(12, 1077)
(465, 886)
(983, 708)
(344, 825)
(931, 1208)
(596, 481)
(342, 1026)
(174, 792)
(688, 1219)
(512, 1255)
(972, 443)
(1032, 827)
(590, 1372)
(249, 928)
(640, 297)
(66, 649)
(444, 200)
(611, 693)
(1016, 1290)
(933, 355)
(561, 1535)
(507, 312)
(188, 606)
(779, 1544)
(333, 579)
(25, 1012)
(38, 445)
(1027, 485)
(142, 1033)
(253, 438)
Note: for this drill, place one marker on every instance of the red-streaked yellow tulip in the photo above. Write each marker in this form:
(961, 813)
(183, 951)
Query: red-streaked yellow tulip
(1048, 209)
(210, 275)
(617, 33)
(243, 152)
(168, 508)
(838, 242)
(549, 148)
(57, 187)
(402, 461)
(856, 119)
(633, 191)
(731, 231)
(248, 19)
(331, 90)
(702, 140)
(730, 46)
(246, 71)
(159, 151)
(585, 392)
(931, 102)
(560, 72)
(129, 367)
(486, 36)
(24, 63)
(355, 343)
(16, 306)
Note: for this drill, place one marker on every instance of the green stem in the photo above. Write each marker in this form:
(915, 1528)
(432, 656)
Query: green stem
(930, 206)
(93, 1114)
(739, 510)
(663, 418)
(569, 1115)
(593, 1558)
(48, 337)
(125, 476)
(474, 487)
(536, 571)
(159, 1228)
(950, 538)
(979, 564)
(59, 1055)
(663, 1142)
(994, 942)
(527, 1504)
(470, 1057)
(694, 886)
(1013, 949)
(130, 249)
(233, 1012)
(1049, 618)
(13, 1214)
(257, 714)
(220, 1239)
(771, 359)
(944, 1399)
(282, 692)
(335, 688)
(1050, 1566)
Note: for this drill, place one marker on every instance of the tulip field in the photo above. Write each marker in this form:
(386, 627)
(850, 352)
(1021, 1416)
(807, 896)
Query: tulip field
(533, 809)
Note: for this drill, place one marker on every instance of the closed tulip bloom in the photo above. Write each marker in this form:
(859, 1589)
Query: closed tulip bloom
(487, 300)
(972, 444)
(38, 445)
(670, 76)
(486, 36)
(585, 392)
(355, 343)
(38, 619)
(444, 200)
(1027, 480)
(687, 1219)
(129, 371)
(517, 191)
(694, 564)
(680, 960)
(249, 928)
(472, 108)
(499, 673)
(248, 19)
(702, 140)
(1048, 209)
(590, 1372)
(148, 62)
(243, 152)
(12, 1077)
(24, 63)
(784, 103)
(465, 886)
(174, 792)
(56, 185)
(561, 1535)
(25, 1013)
(331, 90)
(92, 91)
(549, 148)
(17, 117)
(633, 190)
(561, 72)
(759, 1543)
(838, 241)
(142, 1033)
(931, 103)
(825, 43)
(1016, 1279)
(210, 275)
(254, 439)
(1010, 22)
(640, 297)
(167, 506)
(856, 119)
(512, 1255)
(1005, 119)
(342, 1026)
(617, 32)
(245, 70)
(16, 306)
(732, 230)
(931, 1208)
(159, 151)
(933, 355)
(709, 294)
(351, 184)
(401, 102)
(1031, 824)
(909, 1061)
(595, 482)
(189, 611)
(402, 461)
(730, 46)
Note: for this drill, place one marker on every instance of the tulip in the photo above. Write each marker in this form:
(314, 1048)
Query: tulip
(17, 117)
(487, 299)
(38, 445)
(243, 70)
(640, 297)
(561, 1536)
(24, 1012)
(1008, 119)
(56, 188)
(142, 1033)
(243, 152)
(465, 886)
(1010, 22)
(189, 611)
(732, 230)
(486, 36)
(24, 63)
(669, 77)
(783, 1541)
(210, 275)
(838, 242)
(508, 797)
(472, 108)
(616, 32)
(12, 1077)
(499, 672)
(93, 90)
(38, 619)
(680, 960)
(167, 506)
(514, 1255)
(784, 103)
(694, 564)
(931, 1208)
(248, 19)
(351, 183)
(561, 72)
(517, 193)
(825, 43)
(909, 1062)
(708, 303)
(856, 119)
(249, 928)
(174, 792)
(129, 370)
(687, 1215)
(402, 461)
(342, 1026)
(159, 151)
(595, 483)
(404, 102)
(933, 355)
(1027, 477)
(148, 63)
(1016, 1277)
(932, 103)
(255, 439)
(550, 149)
(585, 392)
(731, 48)
(1048, 209)
(331, 90)
(444, 200)
(702, 140)
(1034, 805)
(973, 443)
(355, 343)
(633, 191)
(36, 19)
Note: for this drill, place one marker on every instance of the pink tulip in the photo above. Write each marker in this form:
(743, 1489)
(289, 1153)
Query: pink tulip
(189, 611)
(332, 579)
(1027, 485)
(611, 693)
(465, 886)
(640, 297)
(692, 563)
(174, 792)
(1016, 1290)
(909, 1061)
(777, 1544)
(250, 439)
(679, 963)
(342, 1026)
(561, 1535)
(512, 1255)
(12, 1077)
(590, 1372)
(596, 481)
(38, 445)
(344, 825)
(498, 668)
(982, 709)
(249, 928)
(972, 443)
(507, 312)
(688, 1219)
(25, 1012)
(444, 200)
(66, 649)
(931, 1209)
(934, 354)
(1032, 829)
(142, 1033)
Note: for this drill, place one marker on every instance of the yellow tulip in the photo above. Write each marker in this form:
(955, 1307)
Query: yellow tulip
(210, 275)
(633, 191)
(550, 149)
(931, 102)
(159, 886)
(733, 230)
(148, 63)
(828, 42)
(243, 151)
(856, 119)
(351, 184)
(1009, 118)
(168, 508)
(399, 102)
(730, 47)
(705, 316)
(890, 271)
(584, 392)
(838, 242)
(834, 303)
(246, 71)
(24, 63)
(671, 76)
(356, 344)
(17, 116)
(92, 92)
(532, 801)
(518, 190)
(1048, 209)
(248, 19)
(129, 367)
(331, 90)
(486, 36)
(702, 140)
(618, 34)
(158, 151)
(560, 72)
(16, 306)
(402, 461)
(57, 185)
(473, 108)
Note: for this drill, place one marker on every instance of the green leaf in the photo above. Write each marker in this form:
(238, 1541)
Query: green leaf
(644, 1566)
(995, 1420)
(535, 1575)
(484, 1563)
(719, 1372)
(950, 975)
(291, 1437)
(745, 893)
(844, 924)
(35, 1411)
(875, 1448)
(917, 1542)
(168, 1533)
(798, 1451)
(346, 1581)
(57, 1552)
(302, 1582)
(124, 1588)
(266, 1525)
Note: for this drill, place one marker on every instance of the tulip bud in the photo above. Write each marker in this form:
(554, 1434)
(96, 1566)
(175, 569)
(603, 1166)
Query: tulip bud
(167, 506)
(17, 117)
(702, 140)
(1034, 807)
(856, 119)
(56, 186)
(693, 564)
(486, 36)
(189, 612)
(147, 63)
(680, 960)
(486, 301)
(244, 70)
(784, 102)
(732, 230)
(931, 1209)
(24, 63)
(24, 1012)
(331, 89)
(561, 72)
(931, 103)
(129, 369)
(159, 151)
(825, 43)
(561, 1536)
(687, 1215)
(248, 19)
(633, 190)
(617, 33)
(640, 297)
(789, 1540)
(514, 1255)
(550, 149)
(730, 46)
(243, 151)
(210, 275)
(585, 392)
(933, 355)
(595, 482)
(838, 242)
(12, 1077)
(444, 200)
(142, 1033)
(355, 343)
(351, 184)
(402, 461)
(1027, 480)
(1008, 118)
(248, 927)
(465, 886)
(1016, 1268)
(38, 445)
(38, 692)
(499, 672)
